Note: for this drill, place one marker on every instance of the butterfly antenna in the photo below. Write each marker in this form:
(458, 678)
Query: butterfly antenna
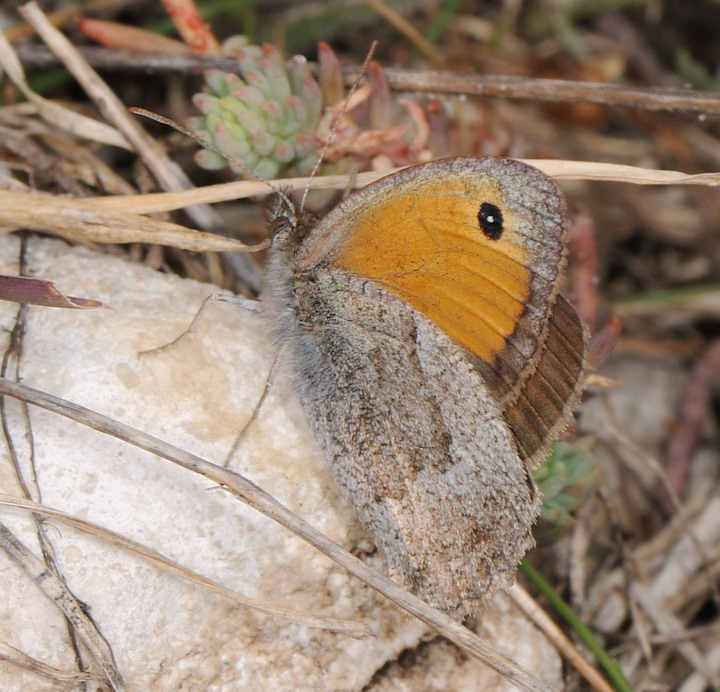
(209, 145)
(336, 123)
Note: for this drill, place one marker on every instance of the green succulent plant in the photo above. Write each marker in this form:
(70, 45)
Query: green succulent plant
(264, 118)
(565, 479)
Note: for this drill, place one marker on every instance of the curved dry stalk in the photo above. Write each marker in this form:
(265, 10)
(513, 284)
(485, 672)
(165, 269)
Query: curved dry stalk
(560, 169)
(121, 219)
(620, 173)
(260, 500)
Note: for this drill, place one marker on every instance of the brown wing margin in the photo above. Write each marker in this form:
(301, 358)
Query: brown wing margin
(539, 410)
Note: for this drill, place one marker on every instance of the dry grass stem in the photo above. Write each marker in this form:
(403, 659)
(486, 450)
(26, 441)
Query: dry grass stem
(12, 655)
(353, 629)
(64, 118)
(80, 220)
(548, 627)
(223, 192)
(56, 590)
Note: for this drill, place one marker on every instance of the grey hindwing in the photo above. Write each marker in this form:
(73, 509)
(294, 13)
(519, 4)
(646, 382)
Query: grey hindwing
(413, 439)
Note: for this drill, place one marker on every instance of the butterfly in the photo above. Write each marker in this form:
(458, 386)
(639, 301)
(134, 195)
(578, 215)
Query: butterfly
(435, 359)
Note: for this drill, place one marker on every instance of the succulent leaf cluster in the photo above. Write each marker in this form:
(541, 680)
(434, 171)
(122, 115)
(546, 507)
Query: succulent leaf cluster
(263, 118)
(565, 478)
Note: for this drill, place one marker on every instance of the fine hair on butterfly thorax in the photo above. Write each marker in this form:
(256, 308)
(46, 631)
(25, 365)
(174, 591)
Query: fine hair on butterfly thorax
(279, 212)
(287, 223)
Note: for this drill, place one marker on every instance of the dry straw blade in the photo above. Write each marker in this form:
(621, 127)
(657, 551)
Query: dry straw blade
(560, 169)
(354, 629)
(82, 220)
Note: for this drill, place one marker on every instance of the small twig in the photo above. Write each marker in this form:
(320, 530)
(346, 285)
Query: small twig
(243, 303)
(555, 91)
(269, 381)
(495, 86)
(38, 57)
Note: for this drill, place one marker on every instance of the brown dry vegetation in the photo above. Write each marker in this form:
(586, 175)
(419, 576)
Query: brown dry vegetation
(639, 563)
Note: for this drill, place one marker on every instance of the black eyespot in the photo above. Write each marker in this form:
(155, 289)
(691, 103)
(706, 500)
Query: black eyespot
(491, 221)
